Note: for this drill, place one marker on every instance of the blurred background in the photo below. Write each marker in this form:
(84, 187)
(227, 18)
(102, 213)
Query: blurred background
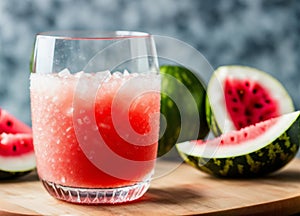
(261, 33)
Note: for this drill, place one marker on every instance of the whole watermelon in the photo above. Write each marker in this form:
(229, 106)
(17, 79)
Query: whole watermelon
(178, 83)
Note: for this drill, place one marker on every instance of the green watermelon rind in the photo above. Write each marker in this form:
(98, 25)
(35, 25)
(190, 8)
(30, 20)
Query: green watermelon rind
(210, 115)
(170, 137)
(16, 166)
(6, 175)
(174, 132)
(266, 160)
(210, 119)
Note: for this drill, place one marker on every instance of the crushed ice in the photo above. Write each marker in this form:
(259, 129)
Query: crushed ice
(63, 179)
(79, 121)
(70, 111)
(117, 74)
(86, 120)
(64, 73)
(100, 75)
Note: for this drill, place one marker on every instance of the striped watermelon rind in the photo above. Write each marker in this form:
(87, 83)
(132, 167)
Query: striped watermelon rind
(173, 78)
(270, 157)
(6, 175)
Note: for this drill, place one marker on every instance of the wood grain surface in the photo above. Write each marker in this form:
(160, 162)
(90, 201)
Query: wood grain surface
(184, 191)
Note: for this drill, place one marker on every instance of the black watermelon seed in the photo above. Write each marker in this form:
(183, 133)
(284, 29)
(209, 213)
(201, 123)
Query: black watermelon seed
(258, 105)
(240, 124)
(9, 123)
(247, 112)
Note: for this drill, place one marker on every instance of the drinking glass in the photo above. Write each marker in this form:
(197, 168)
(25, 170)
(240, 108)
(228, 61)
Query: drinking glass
(95, 103)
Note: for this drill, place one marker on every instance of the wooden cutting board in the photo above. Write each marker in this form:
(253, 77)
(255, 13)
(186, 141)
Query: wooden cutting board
(184, 191)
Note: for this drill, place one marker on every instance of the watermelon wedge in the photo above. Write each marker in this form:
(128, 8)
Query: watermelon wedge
(16, 155)
(239, 96)
(16, 147)
(10, 124)
(249, 152)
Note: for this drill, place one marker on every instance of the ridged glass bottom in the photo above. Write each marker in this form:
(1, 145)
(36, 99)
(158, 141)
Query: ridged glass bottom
(97, 195)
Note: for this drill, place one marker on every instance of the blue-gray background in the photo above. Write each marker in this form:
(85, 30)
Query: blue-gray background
(259, 33)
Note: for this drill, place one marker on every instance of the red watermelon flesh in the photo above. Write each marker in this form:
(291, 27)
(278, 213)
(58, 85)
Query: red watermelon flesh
(15, 144)
(10, 124)
(247, 102)
(247, 133)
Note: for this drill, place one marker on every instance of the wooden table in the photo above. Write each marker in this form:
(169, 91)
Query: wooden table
(184, 191)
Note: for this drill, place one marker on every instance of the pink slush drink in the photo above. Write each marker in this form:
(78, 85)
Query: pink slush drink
(66, 157)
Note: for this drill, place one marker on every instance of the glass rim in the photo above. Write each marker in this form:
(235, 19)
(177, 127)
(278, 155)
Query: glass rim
(92, 34)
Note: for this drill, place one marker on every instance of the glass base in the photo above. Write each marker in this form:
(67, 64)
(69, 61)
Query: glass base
(97, 195)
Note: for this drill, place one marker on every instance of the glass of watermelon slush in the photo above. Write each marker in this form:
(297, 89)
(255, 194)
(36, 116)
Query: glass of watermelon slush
(95, 101)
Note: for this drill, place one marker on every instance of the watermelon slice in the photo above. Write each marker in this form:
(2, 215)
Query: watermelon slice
(10, 124)
(240, 96)
(249, 152)
(16, 147)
